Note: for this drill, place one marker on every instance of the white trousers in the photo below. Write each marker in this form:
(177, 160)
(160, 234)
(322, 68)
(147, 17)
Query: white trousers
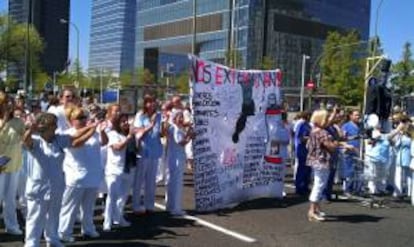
(75, 198)
(378, 177)
(175, 185)
(43, 215)
(145, 174)
(320, 180)
(8, 192)
(114, 200)
(402, 181)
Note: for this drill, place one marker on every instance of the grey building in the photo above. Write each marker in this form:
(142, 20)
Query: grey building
(283, 30)
(112, 37)
(45, 15)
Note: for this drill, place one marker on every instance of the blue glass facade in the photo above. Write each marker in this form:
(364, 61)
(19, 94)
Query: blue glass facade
(112, 42)
(280, 29)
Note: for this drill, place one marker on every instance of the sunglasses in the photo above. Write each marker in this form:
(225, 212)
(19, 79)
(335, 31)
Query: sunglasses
(68, 96)
(81, 117)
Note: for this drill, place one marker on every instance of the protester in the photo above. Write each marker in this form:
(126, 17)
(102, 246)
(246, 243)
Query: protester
(45, 177)
(178, 137)
(303, 172)
(83, 176)
(66, 99)
(352, 182)
(114, 173)
(148, 123)
(11, 132)
(320, 147)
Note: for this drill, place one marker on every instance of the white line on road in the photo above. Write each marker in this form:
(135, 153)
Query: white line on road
(214, 227)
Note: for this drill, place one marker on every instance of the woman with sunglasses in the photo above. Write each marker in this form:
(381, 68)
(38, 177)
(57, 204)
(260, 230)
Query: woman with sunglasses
(83, 175)
(45, 177)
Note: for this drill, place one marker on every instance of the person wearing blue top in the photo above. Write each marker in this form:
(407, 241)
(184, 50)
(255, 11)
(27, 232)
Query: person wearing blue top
(148, 124)
(303, 172)
(402, 174)
(378, 156)
(352, 183)
(45, 177)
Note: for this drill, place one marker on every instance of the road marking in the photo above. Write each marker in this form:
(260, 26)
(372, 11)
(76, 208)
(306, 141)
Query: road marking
(202, 222)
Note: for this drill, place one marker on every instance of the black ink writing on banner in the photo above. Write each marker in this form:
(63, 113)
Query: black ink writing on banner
(200, 121)
(200, 103)
(208, 202)
(201, 141)
(203, 95)
(199, 132)
(201, 150)
(206, 113)
(205, 158)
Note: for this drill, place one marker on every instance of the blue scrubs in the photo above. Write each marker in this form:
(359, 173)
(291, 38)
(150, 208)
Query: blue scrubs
(303, 173)
(351, 171)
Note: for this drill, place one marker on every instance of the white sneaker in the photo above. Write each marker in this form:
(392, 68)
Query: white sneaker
(93, 234)
(123, 223)
(54, 244)
(14, 231)
(67, 239)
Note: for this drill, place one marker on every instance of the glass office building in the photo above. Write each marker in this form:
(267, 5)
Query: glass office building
(283, 30)
(112, 37)
(45, 15)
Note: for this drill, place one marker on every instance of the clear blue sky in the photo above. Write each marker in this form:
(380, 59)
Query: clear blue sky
(395, 25)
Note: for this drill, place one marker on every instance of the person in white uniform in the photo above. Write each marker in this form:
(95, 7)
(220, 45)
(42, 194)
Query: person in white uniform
(148, 124)
(176, 157)
(45, 178)
(115, 175)
(66, 99)
(83, 176)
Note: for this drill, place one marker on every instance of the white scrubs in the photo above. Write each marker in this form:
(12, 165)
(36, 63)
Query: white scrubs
(83, 176)
(44, 188)
(176, 163)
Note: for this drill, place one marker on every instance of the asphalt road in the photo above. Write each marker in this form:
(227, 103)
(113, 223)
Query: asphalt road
(266, 222)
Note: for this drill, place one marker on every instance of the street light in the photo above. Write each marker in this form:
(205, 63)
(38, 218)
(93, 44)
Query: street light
(64, 21)
(302, 86)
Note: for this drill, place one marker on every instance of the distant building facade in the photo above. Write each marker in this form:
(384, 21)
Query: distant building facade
(283, 30)
(45, 15)
(112, 37)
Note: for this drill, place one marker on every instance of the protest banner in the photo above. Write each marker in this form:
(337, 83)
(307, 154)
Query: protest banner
(237, 156)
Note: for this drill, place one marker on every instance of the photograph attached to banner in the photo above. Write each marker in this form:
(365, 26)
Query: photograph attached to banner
(241, 143)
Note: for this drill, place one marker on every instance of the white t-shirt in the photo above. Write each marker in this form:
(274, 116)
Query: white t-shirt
(82, 165)
(62, 122)
(115, 161)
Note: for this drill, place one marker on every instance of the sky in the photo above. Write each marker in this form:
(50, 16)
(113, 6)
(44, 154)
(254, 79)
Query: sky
(395, 26)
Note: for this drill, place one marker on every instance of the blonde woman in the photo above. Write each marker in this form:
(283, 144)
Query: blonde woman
(11, 132)
(320, 146)
(83, 176)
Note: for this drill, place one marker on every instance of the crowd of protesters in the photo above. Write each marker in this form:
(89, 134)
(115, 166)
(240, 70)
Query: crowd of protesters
(73, 152)
(327, 148)
(63, 153)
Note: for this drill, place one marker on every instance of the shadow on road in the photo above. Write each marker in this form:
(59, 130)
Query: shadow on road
(258, 204)
(354, 218)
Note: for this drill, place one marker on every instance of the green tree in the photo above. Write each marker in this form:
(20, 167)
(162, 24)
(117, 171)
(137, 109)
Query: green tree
(404, 80)
(182, 83)
(268, 63)
(342, 67)
(19, 43)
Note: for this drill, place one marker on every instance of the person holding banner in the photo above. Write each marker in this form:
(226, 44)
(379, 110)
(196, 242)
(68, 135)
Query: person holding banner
(176, 157)
(320, 147)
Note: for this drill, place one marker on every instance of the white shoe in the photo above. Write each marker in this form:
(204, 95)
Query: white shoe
(123, 223)
(59, 244)
(67, 239)
(14, 231)
(93, 234)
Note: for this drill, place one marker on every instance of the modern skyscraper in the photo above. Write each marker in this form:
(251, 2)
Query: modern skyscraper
(112, 35)
(283, 30)
(45, 15)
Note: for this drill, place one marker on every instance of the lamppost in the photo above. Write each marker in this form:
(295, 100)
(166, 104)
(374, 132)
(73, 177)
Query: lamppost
(302, 86)
(64, 21)
(194, 41)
